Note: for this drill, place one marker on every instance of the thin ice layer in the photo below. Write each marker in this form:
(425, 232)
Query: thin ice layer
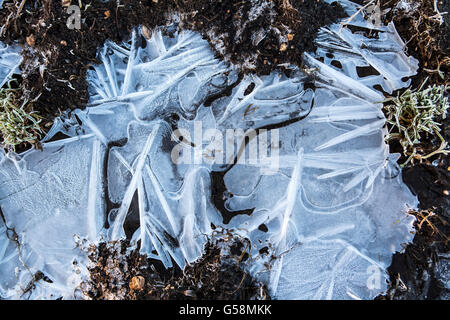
(9, 61)
(335, 206)
(50, 197)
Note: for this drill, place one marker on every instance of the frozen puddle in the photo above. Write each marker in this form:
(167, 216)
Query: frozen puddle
(326, 198)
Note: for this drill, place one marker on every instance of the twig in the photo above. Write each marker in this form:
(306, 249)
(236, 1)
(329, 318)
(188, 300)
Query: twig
(438, 15)
(15, 238)
(346, 22)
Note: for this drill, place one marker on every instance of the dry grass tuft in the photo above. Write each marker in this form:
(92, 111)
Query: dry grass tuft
(414, 114)
(18, 125)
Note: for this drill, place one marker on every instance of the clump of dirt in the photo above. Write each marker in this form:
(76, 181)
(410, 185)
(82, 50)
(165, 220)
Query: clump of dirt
(256, 35)
(118, 272)
(426, 33)
(260, 35)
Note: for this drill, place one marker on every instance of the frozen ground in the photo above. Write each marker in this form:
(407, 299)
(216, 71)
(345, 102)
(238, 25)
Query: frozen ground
(329, 192)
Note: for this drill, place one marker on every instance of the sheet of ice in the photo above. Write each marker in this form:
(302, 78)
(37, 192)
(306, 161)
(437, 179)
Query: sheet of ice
(335, 209)
(370, 53)
(9, 62)
(48, 197)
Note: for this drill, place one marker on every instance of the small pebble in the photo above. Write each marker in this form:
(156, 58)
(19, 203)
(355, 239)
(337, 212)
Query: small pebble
(137, 283)
(146, 32)
(31, 40)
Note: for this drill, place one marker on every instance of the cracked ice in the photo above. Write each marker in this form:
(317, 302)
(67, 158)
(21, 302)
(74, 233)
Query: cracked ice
(335, 209)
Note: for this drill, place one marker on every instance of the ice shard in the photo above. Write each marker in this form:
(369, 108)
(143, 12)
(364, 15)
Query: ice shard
(9, 62)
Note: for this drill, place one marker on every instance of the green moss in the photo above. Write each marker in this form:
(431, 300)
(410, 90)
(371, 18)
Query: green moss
(414, 114)
(17, 124)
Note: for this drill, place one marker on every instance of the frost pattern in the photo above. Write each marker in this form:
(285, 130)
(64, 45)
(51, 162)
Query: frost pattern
(334, 211)
(369, 54)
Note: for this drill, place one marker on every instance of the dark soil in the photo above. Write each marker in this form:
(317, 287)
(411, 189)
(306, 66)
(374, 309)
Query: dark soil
(415, 273)
(217, 275)
(234, 29)
(56, 58)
